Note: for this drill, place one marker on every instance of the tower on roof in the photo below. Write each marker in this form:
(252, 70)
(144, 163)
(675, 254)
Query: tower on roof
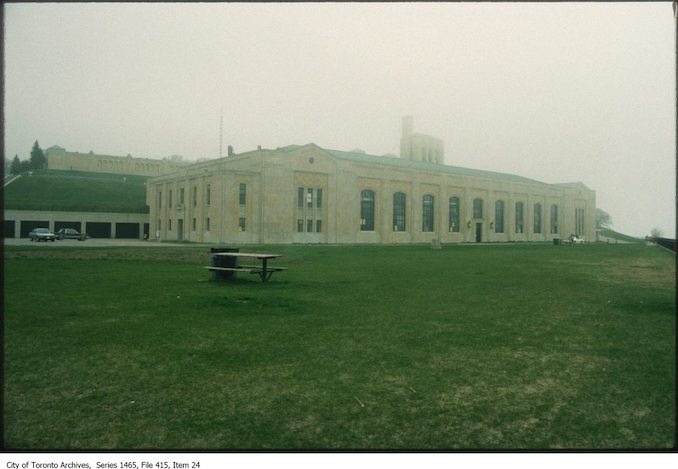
(420, 147)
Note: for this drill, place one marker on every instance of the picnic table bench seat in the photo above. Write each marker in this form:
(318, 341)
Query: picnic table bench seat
(250, 269)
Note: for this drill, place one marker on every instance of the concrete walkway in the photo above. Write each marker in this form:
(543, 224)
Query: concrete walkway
(11, 179)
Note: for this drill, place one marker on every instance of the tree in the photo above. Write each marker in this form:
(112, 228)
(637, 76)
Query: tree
(603, 219)
(657, 233)
(38, 160)
(16, 165)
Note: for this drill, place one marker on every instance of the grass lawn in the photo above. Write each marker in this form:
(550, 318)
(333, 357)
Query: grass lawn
(395, 347)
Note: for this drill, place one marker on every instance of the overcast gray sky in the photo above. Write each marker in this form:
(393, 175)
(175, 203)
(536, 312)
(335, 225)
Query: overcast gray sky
(557, 92)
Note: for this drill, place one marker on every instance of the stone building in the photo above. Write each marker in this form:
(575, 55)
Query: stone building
(309, 194)
(60, 159)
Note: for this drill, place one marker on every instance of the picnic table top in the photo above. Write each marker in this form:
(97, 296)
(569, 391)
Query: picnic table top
(247, 254)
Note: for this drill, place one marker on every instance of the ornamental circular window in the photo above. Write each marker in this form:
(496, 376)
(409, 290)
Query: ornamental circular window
(311, 160)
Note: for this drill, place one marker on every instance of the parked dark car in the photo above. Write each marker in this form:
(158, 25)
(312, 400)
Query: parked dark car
(70, 233)
(42, 234)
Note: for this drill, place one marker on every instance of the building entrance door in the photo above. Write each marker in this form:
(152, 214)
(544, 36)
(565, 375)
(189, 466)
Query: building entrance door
(180, 229)
(479, 232)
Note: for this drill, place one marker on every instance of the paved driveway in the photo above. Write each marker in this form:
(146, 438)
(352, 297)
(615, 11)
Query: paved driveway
(92, 242)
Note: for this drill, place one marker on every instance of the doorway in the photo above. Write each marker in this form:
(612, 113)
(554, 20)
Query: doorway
(479, 232)
(180, 229)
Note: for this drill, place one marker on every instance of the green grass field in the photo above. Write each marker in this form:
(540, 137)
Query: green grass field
(394, 347)
(63, 191)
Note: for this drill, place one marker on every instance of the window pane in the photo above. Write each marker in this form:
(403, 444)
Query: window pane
(243, 194)
(319, 198)
(499, 216)
(477, 208)
(367, 210)
(427, 220)
(399, 206)
(454, 214)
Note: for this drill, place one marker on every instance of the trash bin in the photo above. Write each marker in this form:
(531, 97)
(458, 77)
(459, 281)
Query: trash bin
(223, 261)
(556, 241)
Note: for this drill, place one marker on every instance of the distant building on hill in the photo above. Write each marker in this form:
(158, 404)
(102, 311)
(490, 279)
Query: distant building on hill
(59, 158)
(309, 194)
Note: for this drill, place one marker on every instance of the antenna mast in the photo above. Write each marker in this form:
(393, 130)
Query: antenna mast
(221, 132)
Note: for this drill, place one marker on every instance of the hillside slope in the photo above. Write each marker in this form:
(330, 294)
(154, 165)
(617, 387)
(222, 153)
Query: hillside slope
(78, 192)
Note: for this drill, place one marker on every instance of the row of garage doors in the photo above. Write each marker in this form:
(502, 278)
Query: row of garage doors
(93, 229)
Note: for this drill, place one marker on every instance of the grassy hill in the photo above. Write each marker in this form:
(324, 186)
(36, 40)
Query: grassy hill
(619, 236)
(77, 191)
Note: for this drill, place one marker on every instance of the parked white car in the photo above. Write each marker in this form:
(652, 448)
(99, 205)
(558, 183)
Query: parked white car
(42, 234)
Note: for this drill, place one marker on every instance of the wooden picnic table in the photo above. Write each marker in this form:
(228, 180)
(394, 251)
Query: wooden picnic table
(264, 271)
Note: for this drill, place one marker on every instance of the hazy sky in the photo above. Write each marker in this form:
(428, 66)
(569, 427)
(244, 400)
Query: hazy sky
(558, 92)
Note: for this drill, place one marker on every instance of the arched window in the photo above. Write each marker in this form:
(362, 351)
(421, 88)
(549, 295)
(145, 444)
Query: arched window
(477, 208)
(499, 216)
(427, 213)
(454, 214)
(519, 217)
(554, 219)
(537, 218)
(367, 210)
(399, 210)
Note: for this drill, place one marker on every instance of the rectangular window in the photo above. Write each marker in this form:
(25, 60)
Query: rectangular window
(207, 224)
(554, 219)
(399, 211)
(195, 196)
(519, 217)
(194, 224)
(243, 194)
(181, 196)
(579, 221)
(367, 210)
(427, 224)
(169, 224)
(537, 218)
(169, 199)
(159, 224)
(242, 207)
(454, 215)
(309, 214)
(208, 195)
(477, 208)
(160, 199)
(499, 216)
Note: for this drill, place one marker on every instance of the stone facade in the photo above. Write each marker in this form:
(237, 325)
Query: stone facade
(60, 159)
(307, 194)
